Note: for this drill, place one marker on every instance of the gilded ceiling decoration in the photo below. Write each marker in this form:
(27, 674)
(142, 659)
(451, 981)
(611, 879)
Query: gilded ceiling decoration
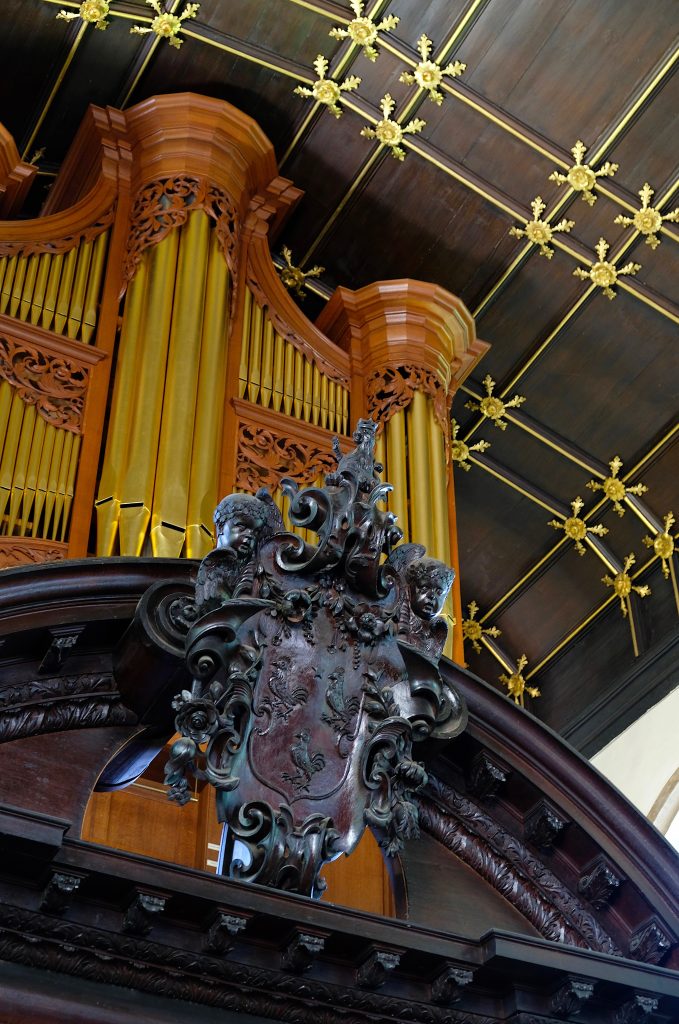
(94, 12)
(389, 132)
(166, 25)
(460, 450)
(324, 90)
(428, 74)
(292, 277)
(474, 631)
(516, 684)
(614, 488)
(581, 177)
(493, 408)
(623, 584)
(576, 529)
(603, 273)
(541, 232)
(663, 544)
(363, 31)
(648, 220)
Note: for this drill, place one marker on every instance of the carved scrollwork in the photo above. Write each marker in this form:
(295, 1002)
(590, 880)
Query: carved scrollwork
(15, 551)
(59, 245)
(55, 385)
(64, 702)
(391, 388)
(264, 458)
(166, 204)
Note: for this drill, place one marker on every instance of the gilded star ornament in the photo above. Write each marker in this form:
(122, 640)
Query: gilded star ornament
(581, 177)
(603, 273)
(460, 452)
(428, 73)
(94, 12)
(292, 277)
(663, 544)
(473, 631)
(614, 488)
(165, 25)
(390, 133)
(363, 31)
(324, 90)
(648, 220)
(539, 231)
(516, 684)
(575, 528)
(623, 585)
(494, 408)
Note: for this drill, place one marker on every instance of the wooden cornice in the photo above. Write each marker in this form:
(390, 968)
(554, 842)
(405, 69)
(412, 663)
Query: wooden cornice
(16, 176)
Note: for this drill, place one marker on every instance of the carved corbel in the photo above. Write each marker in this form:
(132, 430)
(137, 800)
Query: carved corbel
(599, 883)
(59, 891)
(638, 1010)
(302, 950)
(651, 944)
(64, 639)
(487, 775)
(571, 997)
(139, 918)
(543, 825)
(375, 969)
(224, 928)
(448, 987)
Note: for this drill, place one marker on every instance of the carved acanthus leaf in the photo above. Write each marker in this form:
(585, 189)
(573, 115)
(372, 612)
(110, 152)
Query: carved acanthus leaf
(59, 245)
(166, 204)
(264, 458)
(55, 385)
(391, 388)
(60, 703)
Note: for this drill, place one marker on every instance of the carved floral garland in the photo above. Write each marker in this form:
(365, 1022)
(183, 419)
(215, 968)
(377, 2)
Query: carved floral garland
(264, 458)
(391, 388)
(166, 204)
(510, 868)
(59, 245)
(55, 385)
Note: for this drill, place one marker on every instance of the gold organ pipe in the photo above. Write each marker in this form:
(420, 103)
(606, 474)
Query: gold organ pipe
(3, 268)
(308, 389)
(245, 344)
(278, 371)
(31, 483)
(299, 384)
(203, 496)
(52, 290)
(89, 316)
(255, 360)
(289, 380)
(267, 363)
(142, 452)
(396, 469)
(9, 450)
(77, 297)
(65, 289)
(70, 484)
(29, 287)
(43, 477)
(18, 285)
(60, 490)
(53, 481)
(173, 470)
(324, 401)
(316, 396)
(439, 497)
(21, 460)
(419, 477)
(122, 411)
(332, 404)
(345, 410)
(6, 293)
(38, 296)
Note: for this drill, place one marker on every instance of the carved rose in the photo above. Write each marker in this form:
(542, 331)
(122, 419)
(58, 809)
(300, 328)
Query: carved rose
(326, 92)
(196, 719)
(367, 626)
(581, 178)
(362, 31)
(389, 133)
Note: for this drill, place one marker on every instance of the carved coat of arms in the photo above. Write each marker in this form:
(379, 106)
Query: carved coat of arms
(314, 672)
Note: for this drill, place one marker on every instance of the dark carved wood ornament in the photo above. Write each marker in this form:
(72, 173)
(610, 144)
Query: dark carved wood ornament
(315, 670)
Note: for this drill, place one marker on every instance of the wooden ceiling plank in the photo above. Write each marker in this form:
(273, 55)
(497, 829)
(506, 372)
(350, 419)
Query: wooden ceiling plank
(79, 33)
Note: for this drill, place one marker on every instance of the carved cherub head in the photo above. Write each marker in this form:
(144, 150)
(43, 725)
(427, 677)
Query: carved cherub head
(429, 582)
(245, 521)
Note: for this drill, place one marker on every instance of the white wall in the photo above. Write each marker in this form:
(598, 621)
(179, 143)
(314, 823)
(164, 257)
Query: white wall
(643, 762)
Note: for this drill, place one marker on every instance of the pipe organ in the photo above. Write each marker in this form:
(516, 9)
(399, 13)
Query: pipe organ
(151, 360)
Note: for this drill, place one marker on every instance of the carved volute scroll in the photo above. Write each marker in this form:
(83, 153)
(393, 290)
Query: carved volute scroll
(315, 671)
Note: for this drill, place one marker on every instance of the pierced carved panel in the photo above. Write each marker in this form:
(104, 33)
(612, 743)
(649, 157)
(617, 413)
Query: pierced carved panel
(59, 245)
(264, 458)
(166, 204)
(55, 385)
(391, 389)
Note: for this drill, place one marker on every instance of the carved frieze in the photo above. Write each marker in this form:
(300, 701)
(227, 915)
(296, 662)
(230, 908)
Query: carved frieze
(166, 204)
(58, 703)
(16, 551)
(55, 385)
(264, 458)
(59, 245)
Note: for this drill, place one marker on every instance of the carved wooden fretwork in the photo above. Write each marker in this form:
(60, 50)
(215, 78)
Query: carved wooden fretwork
(55, 385)
(59, 245)
(62, 702)
(517, 874)
(166, 204)
(29, 551)
(264, 458)
(391, 388)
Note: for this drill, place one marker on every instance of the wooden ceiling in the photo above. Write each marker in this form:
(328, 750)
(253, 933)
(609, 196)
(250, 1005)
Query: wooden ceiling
(599, 377)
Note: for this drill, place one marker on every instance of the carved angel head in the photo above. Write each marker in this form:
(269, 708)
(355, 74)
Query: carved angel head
(429, 582)
(245, 521)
